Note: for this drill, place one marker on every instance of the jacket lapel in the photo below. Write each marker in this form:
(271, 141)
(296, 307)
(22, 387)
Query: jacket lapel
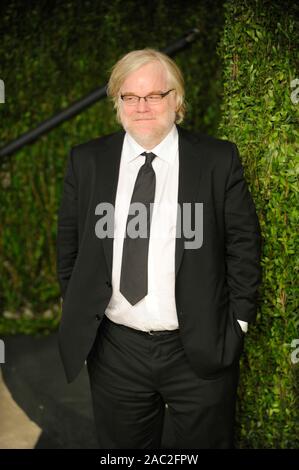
(189, 176)
(109, 182)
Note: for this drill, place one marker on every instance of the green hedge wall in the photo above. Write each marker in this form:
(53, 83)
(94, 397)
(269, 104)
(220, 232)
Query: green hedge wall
(258, 48)
(238, 77)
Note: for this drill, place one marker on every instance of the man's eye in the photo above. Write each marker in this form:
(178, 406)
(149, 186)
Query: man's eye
(129, 98)
(153, 97)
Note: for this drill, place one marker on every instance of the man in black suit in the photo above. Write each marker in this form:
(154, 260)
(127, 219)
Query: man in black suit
(157, 300)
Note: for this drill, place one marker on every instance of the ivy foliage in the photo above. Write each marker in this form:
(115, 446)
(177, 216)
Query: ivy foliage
(259, 50)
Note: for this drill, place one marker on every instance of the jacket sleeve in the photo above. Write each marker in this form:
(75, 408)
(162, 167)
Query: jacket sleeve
(243, 244)
(67, 228)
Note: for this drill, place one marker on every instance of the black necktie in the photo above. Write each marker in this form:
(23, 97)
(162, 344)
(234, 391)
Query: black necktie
(133, 277)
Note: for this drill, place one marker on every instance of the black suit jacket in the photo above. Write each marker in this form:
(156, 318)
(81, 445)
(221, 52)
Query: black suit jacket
(216, 284)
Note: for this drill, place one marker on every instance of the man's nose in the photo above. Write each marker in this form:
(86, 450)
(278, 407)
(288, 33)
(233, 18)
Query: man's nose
(142, 105)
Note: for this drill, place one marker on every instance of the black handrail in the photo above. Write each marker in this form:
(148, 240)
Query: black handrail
(80, 105)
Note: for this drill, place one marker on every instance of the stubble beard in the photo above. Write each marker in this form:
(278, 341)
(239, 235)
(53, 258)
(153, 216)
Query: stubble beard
(150, 139)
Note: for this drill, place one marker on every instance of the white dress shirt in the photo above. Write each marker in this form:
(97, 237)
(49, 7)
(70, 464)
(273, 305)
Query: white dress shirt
(157, 310)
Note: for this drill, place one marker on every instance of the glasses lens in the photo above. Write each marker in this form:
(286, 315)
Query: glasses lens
(130, 99)
(154, 98)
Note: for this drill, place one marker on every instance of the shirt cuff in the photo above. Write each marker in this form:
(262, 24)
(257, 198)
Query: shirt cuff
(243, 325)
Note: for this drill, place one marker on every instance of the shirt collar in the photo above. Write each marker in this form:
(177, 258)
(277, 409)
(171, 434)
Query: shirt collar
(164, 150)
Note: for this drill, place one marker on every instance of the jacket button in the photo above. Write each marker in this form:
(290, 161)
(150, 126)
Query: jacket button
(108, 283)
(98, 317)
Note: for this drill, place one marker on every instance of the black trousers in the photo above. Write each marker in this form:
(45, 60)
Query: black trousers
(133, 375)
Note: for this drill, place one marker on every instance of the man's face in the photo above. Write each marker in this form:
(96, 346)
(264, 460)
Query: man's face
(148, 123)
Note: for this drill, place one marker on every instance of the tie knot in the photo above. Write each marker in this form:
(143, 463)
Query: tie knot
(149, 156)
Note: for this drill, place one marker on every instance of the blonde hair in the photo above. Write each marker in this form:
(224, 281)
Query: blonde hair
(136, 59)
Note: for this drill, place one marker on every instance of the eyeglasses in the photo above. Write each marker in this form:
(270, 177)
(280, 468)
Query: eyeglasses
(152, 98)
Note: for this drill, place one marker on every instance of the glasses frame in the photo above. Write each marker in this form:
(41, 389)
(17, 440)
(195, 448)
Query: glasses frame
(145, 97)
